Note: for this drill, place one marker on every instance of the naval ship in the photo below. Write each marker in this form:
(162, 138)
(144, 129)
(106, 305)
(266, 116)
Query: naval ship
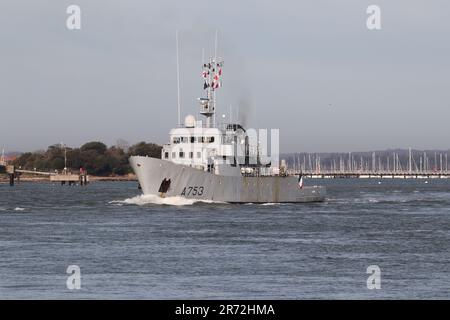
(217, 162)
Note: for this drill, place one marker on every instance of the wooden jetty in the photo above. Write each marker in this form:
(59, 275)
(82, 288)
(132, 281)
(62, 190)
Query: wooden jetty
(64, 177)
(70, 178)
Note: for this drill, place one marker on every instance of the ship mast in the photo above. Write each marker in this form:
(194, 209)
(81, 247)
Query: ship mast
(215, 58)
(212, 74)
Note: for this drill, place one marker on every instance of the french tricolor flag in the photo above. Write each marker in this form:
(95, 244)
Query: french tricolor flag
(300, 181)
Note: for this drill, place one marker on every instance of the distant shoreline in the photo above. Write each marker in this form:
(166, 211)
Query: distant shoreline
(29, 178)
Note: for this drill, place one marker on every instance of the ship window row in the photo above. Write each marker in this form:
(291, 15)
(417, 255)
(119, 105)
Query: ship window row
(192, 140)
(181, 154)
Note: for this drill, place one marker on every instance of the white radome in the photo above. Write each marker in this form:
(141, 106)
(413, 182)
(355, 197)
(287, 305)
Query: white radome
(189, 121)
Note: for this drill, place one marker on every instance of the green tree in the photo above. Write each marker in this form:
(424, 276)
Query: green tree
(97, 146)
(94, 156)
(145, 149)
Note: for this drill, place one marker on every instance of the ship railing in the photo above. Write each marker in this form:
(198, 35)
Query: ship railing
(225, 126)
(258, 172)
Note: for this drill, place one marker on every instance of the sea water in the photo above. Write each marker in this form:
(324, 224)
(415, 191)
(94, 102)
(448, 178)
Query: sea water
(129, 246)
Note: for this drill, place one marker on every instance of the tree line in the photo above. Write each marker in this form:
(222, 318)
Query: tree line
(94, 157)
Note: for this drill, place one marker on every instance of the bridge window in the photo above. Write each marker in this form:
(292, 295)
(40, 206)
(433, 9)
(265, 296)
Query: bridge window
(202, 139)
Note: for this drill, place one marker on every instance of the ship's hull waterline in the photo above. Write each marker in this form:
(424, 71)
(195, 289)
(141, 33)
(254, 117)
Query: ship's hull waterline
(156, 176)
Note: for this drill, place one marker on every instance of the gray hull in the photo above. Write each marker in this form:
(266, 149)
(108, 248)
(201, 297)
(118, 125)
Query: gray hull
(193, 183)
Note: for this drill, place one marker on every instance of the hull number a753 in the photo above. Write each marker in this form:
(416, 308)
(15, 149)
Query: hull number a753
(192, 191)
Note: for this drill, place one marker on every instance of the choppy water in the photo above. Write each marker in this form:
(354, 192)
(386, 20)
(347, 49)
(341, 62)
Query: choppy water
(131, 246)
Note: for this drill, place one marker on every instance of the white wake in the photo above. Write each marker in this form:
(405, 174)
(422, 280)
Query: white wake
(145, 199)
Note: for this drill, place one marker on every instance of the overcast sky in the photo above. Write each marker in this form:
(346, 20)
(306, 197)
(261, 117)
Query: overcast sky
(310, 68)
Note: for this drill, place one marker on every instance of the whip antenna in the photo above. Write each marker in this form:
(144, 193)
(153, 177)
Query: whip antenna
(178, 81)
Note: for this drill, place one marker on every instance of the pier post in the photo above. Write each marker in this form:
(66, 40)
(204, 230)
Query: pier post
(83, 179)
(11, 171)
